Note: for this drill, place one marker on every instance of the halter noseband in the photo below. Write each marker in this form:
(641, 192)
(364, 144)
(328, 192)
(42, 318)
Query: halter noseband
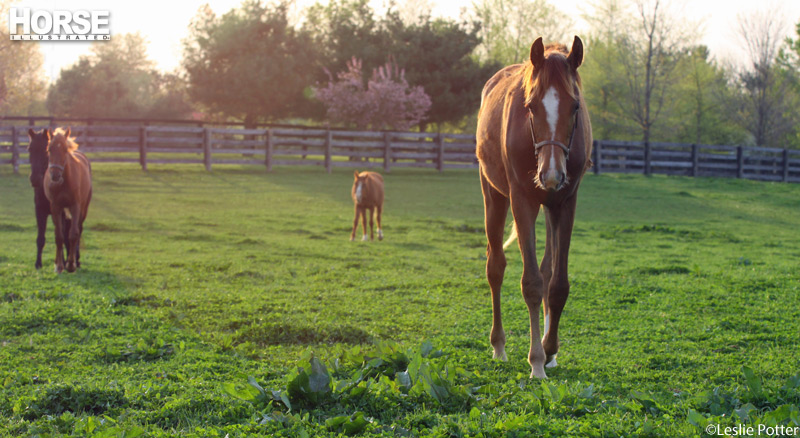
(539, 145)
(57, 166)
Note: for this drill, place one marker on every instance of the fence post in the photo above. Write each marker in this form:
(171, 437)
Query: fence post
(387, 151)
(785, 165)
(143, 147)
(86, 132)
(268, 151)
(328, 141)
(14, 149)
(598, 154)
(695, 159)
(439, 152)
(207, 148)
(739, 162)
(647, 169)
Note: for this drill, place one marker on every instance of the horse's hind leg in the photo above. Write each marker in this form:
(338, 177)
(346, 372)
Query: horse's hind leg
(372, 224)
(380, 229)
(495, 211)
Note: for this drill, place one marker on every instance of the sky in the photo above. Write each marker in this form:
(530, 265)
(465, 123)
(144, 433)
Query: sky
(165, 23)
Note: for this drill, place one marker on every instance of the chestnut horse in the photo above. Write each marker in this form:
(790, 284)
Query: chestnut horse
(37, 153)
(367, 194)
(68, 187)
(534, 142)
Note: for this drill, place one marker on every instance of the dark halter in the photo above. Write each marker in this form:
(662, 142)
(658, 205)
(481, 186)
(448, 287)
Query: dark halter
(539, 145)
(57, 166)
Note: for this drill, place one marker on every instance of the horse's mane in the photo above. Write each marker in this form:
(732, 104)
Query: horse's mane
(69, 141)
(554, 71)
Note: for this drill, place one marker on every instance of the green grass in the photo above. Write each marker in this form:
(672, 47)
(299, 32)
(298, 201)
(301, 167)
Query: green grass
(684, 310)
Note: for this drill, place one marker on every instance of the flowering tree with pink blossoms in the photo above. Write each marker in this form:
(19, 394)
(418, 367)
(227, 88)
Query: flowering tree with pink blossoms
(386, 101)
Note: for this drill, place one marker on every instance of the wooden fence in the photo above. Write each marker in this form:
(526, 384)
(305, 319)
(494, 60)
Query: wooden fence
(285, 146)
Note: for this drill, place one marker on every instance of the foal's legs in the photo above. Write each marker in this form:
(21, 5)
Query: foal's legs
(355, 224)
(364, 223)
(525, 211)
(380, 230)
(74, 238)
(495, 208)
(58, 225)
(42, 211)
(561, 221)
(547, 273)
(372, 223)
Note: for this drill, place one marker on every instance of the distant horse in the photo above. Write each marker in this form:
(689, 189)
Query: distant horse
(534, 142)
(37, 153)
(367, 194)
(68, 187)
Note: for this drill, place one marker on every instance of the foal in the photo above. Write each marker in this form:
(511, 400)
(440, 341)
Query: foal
(68, 187)
(367, 194)
(37, 155)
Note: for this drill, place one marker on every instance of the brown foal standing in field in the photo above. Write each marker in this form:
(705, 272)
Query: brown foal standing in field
(534, 142)
(68, 187)
(367, 194)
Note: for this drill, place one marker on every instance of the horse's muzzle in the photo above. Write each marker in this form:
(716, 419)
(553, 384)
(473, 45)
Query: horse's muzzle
(553, 181)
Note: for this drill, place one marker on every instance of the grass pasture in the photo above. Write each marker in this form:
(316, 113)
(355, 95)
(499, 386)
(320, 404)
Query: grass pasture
(231, 303)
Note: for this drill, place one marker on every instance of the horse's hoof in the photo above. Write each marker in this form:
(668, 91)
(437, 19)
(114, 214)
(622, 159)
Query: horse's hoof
(364, 239)
(59, 269)
(380, 235)
(38, 265)
(500, 354)
(550, 362)
(352, 239)
(538, 372)
(71, 267)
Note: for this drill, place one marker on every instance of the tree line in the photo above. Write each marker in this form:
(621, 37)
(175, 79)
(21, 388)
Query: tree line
(645, 75)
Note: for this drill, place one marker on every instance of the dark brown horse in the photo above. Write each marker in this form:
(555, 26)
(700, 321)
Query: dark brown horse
(367, 194)
(37, 153)
(534, 143)
(68, 187)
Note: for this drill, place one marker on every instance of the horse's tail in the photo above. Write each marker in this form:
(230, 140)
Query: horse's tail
(511, 238)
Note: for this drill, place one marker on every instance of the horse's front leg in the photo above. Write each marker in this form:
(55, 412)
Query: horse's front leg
(74, 238)
(364, 223)
(41, 224)
(372, 223)
(495, 211)
(355, 224)
(561, 220)
(58, 229)
(525, 212)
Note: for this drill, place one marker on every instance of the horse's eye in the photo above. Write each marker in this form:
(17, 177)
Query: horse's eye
(577, 107)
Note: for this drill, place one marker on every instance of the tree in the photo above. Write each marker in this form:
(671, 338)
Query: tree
(644, 64)
(436, 54)
(765, 103)
(508, 27)
(116, 80)
(22, 83)
(386, 101)
(249, 64)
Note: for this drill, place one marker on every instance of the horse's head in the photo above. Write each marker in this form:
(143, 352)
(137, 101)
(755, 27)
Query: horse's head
(359, 182)
(58, 150)
(552, 97)
(37, 155)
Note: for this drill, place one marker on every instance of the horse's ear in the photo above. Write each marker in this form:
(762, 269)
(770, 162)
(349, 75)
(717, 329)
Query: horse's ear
(355, 174)
(66, 134)
(575, 57)
(31, 133)
(537, 53)
(46, 133)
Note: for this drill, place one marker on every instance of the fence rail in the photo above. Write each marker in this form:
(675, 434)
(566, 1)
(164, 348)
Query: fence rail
(285, 146)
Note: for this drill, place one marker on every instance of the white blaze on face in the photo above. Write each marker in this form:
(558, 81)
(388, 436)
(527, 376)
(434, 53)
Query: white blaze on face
(358, 191)
(550, 102)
